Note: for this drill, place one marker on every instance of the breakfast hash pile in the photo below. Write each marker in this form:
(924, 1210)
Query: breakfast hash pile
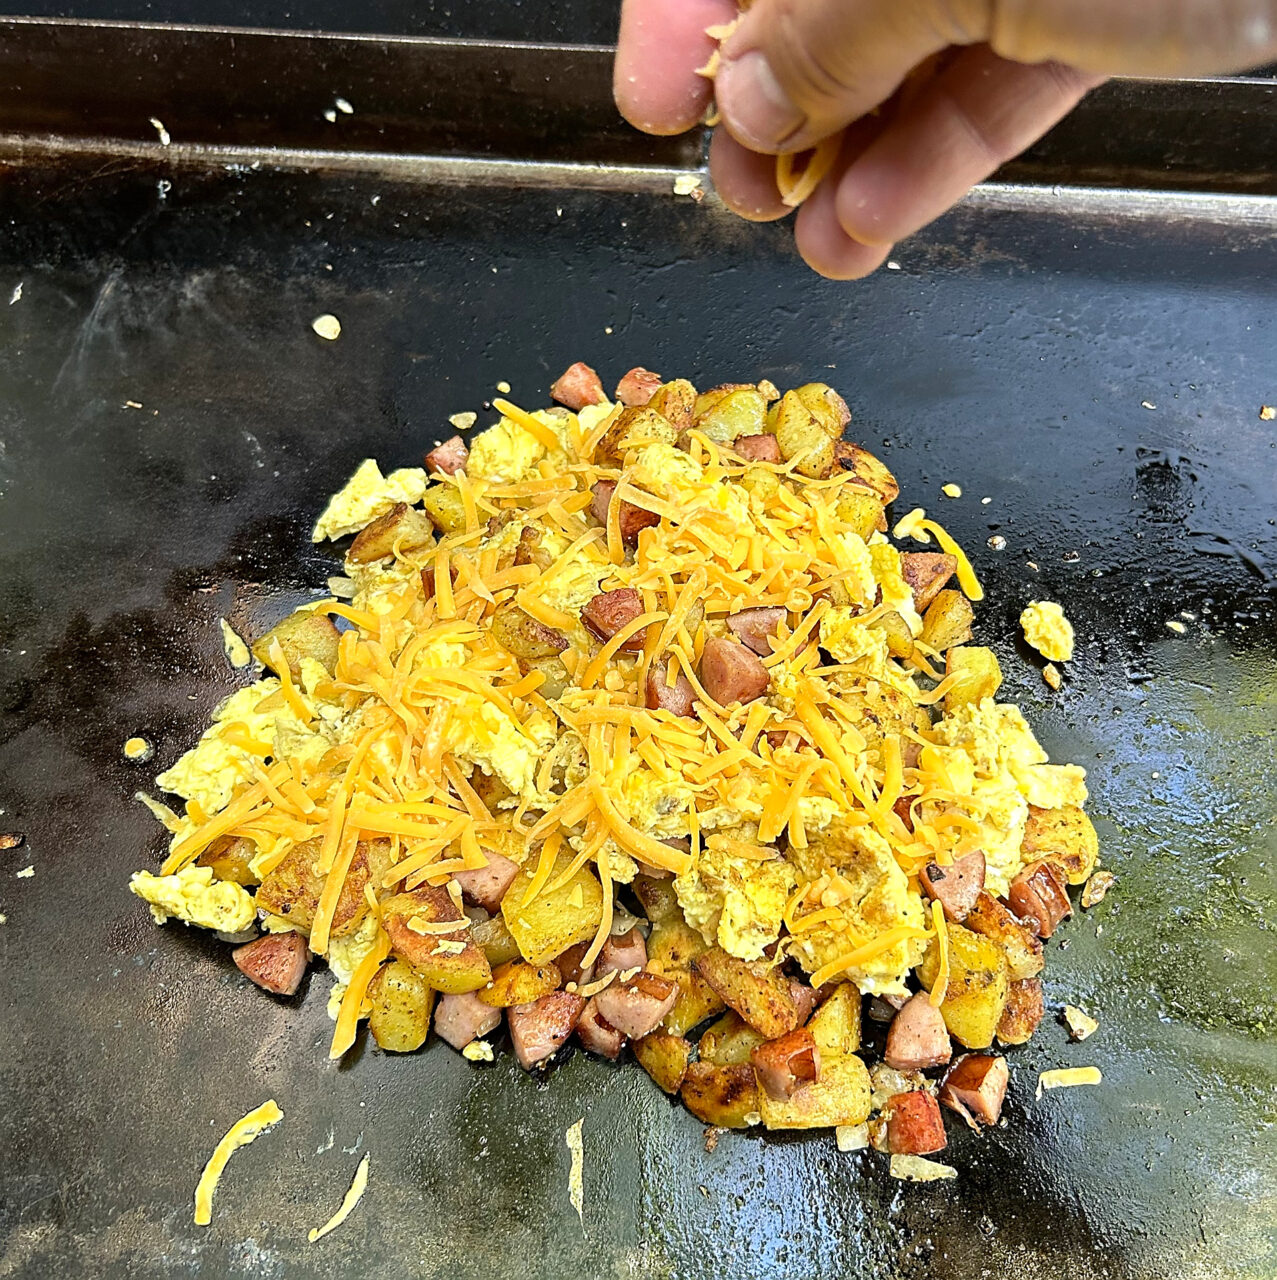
(628, 724)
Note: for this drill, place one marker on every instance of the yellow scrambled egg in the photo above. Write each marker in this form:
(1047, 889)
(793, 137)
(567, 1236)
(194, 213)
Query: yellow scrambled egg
(367, 495)
(734, 902)
(1048, 630)
(192, 895)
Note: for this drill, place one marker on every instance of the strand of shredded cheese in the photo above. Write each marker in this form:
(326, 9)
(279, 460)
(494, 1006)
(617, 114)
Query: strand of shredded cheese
(358, 1185)
(245, 1130)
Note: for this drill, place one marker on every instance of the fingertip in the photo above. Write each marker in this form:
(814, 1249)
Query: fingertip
(823, 244)
(744, 180)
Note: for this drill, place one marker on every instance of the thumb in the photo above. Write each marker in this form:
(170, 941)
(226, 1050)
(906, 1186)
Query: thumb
(796, 71)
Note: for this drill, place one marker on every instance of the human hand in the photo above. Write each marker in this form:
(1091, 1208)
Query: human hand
(928, 97)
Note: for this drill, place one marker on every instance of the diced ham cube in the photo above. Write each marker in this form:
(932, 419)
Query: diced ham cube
(785, 1064)
(597, 1034)
(538, 1030)
(732, 673)
(464, 1018)
(975, 1087)
(276, 962)
(636, 1007)
(622, 951)
(638, 386)
(955, 887)
(804, 1000)
(917, 1037)
(914, 1124)
(449, 457)
(764, 448)
(577, 386)
(486, 886)
(676, 698)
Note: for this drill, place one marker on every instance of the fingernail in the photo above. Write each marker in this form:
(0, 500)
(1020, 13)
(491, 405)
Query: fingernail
(753, 102)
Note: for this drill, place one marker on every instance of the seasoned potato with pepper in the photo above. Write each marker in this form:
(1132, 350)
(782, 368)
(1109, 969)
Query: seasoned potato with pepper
(841, 1096)
(798, 432)
(835, 1026)
(402, 1003)
(401, 530)
(672, 947)
(657, 898)
(557, 918)
(1066, 836)
(230, 857)
(522, 635)
(301, 635)
(863, 511)
(899, 637)
(947, 621)
(448, 961)
(740, 412)
(979, 982)
(723, 1096)
(675, 402)
(631, 428)
(520, 983)
(977, 671)
(444, 507)
(293, 888)
(729, 1040)
(760, 994)
(664, 1057)
(1023, 947)
(868, 470)
(826, 406)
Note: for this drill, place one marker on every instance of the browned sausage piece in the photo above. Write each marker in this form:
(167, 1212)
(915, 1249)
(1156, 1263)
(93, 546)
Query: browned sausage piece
(609, 611)
(1039, 897)
(275, 962)
(755, 627)
(975, 1087)
(637, 386)
(926, 572)
(804, 1000)
(597, 1034)
(764, 448)
(577, 386)
(485, 886)
(732, 673)
(636, 1007)
(955, 887)
(569, 964)
(449, 457)
(461, 1019)
(622, 951)
(914, 1125)
(917, 1037)
(537, 1030)
(633, 520)
(676, 698)
(786, 1064)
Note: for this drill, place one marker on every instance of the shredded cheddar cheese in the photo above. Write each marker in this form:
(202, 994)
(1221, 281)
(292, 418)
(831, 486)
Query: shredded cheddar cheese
(245, 1130)
(1067, 1078)
(358, 1185)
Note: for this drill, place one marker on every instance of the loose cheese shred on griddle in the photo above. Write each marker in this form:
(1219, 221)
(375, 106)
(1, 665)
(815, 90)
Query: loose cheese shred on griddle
(576, 1180)
(240, 1134)
(358, 1185)
(1067, 1078)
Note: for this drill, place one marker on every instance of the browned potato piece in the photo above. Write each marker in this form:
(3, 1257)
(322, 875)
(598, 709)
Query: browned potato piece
(664, 1057)
(301, 635)
(520, 983)
(760, 994)
(292, 890)
(1023, 947)
(631, 428)
(842, 1096)
(1066, 836)
(657, 898)
(947, 621)
(799, 432)
(826, 406)
(401, 1007)
(978, 985)
(726, 1097)
(835, 1026)
(978, 672)
(1023, 1012)
(675, 402)
(739, 412)
(862, 510)
(431, 954)
(729, 1040)
(229, 857)
(495, 941)
(899, 637)
(444, 507)
(402, 526)
(869, 472)
(926, 572)
(522, 635)
(672, 946)
(551, 923)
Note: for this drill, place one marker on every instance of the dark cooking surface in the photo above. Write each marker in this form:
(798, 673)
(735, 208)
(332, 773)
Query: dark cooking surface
(1011, 354)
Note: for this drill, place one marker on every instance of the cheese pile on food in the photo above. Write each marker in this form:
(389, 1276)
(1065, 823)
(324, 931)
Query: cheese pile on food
(640, 719)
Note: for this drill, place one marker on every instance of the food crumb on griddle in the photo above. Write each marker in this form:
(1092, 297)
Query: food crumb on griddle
(11, 839)
(1266, 411)
(327, 326)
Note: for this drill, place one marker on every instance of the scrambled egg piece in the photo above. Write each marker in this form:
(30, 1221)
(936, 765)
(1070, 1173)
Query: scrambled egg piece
(343, 957)
(1048, 630)
(856, 561)
(507, 453)
(655, 805)
(868, 887)
(667, 472)
(192, 895)
(848, 639)
(367, 495)
(897, 594)
(734, 902)
(482, 735)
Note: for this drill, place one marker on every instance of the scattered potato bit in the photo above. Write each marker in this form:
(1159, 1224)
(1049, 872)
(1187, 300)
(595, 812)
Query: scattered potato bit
(463, 421)
(327, 326)
(951, 490)
(1176, 626)
(1267, 413)
(1051, 674)
(852, 1137)
(1097, 886)
(920, 1169)
(1080, 1024)
(26, 873)
(1067, 1078)
(576, 1181)
(12, 839)
(504, 387)
(478, 1051)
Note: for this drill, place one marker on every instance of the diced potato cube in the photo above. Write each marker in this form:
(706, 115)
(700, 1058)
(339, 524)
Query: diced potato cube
(727, 1097)
(229, 857)
(675, 402)
(522, 635)
(978, 985)
(631, 428)
(729, 1041)
(759, 993)
(835, 1026)
(741, 412)
(1023, 1012)
(401, 1006)
(862, 510)
(657, 898)
(301, 635)
(664, 1057)
(899, 637)
(520, 983)
(293, 888)
(672, 946)
(870, 473)
(978, 675)
(432, 955)
(947, 621)
(555, 919)
(1023, 947)
(798, 432)
(826, 406)
(402, 528)
(444, 507)
(495, 941)
(842, 1096)
(1066, 836)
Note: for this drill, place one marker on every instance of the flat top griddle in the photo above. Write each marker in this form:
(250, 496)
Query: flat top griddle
(1092, 361)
